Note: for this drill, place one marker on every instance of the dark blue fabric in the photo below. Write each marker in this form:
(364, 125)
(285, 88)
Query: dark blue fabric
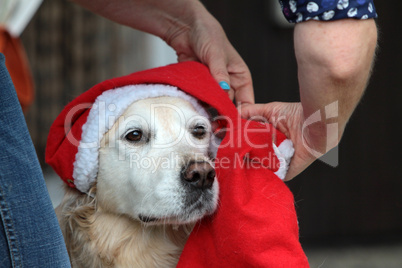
(30, 235)
(326, 10)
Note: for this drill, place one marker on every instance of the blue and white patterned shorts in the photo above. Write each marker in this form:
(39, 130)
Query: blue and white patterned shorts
(325, 10)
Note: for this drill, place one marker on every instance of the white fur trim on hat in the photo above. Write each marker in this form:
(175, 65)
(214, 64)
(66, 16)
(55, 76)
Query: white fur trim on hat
(107, 108)
(284, 152)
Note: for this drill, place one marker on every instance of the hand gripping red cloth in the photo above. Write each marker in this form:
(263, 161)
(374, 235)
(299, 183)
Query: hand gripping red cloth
(255, 224)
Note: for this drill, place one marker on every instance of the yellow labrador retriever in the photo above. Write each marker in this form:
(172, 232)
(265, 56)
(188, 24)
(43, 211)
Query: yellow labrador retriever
(155, 179)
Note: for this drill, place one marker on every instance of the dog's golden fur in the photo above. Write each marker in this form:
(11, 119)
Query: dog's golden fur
(96, 238)
(138, 216)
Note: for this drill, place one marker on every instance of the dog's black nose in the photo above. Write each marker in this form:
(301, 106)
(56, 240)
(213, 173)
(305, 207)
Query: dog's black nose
(199, 174)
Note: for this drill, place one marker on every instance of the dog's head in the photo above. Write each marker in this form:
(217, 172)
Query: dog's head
(155, 163)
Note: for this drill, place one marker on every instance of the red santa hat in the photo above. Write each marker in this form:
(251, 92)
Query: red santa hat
(256, 223)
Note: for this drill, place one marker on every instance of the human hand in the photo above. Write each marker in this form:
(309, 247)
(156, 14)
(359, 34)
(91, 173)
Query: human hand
(289, 119)
(204, 40)
(190, 30)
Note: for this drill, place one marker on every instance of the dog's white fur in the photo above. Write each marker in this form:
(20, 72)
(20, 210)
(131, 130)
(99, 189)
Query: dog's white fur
(140, 212)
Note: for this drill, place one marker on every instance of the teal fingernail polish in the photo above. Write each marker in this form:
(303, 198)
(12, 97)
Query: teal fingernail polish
(224, 85)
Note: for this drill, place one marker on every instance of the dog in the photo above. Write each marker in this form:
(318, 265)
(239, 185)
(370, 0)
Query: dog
(156, 178)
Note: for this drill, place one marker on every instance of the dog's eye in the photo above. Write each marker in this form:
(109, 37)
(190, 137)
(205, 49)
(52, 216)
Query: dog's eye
(134, 135)
(199, 131)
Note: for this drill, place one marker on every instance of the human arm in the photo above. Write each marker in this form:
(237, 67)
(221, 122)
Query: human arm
(190, 30)
(334, 63)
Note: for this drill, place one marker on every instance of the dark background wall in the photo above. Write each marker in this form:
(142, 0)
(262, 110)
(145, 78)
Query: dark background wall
(361, 200)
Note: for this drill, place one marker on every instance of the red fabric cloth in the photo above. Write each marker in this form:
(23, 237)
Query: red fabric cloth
(256, 223)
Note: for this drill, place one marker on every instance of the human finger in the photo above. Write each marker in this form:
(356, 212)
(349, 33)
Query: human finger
(251, 110)
(241, 82)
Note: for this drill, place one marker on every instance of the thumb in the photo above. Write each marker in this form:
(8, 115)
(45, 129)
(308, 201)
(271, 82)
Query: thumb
(248, 111)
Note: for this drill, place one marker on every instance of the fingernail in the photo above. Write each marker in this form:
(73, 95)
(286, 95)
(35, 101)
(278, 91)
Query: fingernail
(224, 85)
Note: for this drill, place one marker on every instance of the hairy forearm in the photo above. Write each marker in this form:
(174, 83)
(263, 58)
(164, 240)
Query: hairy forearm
(334, 64)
